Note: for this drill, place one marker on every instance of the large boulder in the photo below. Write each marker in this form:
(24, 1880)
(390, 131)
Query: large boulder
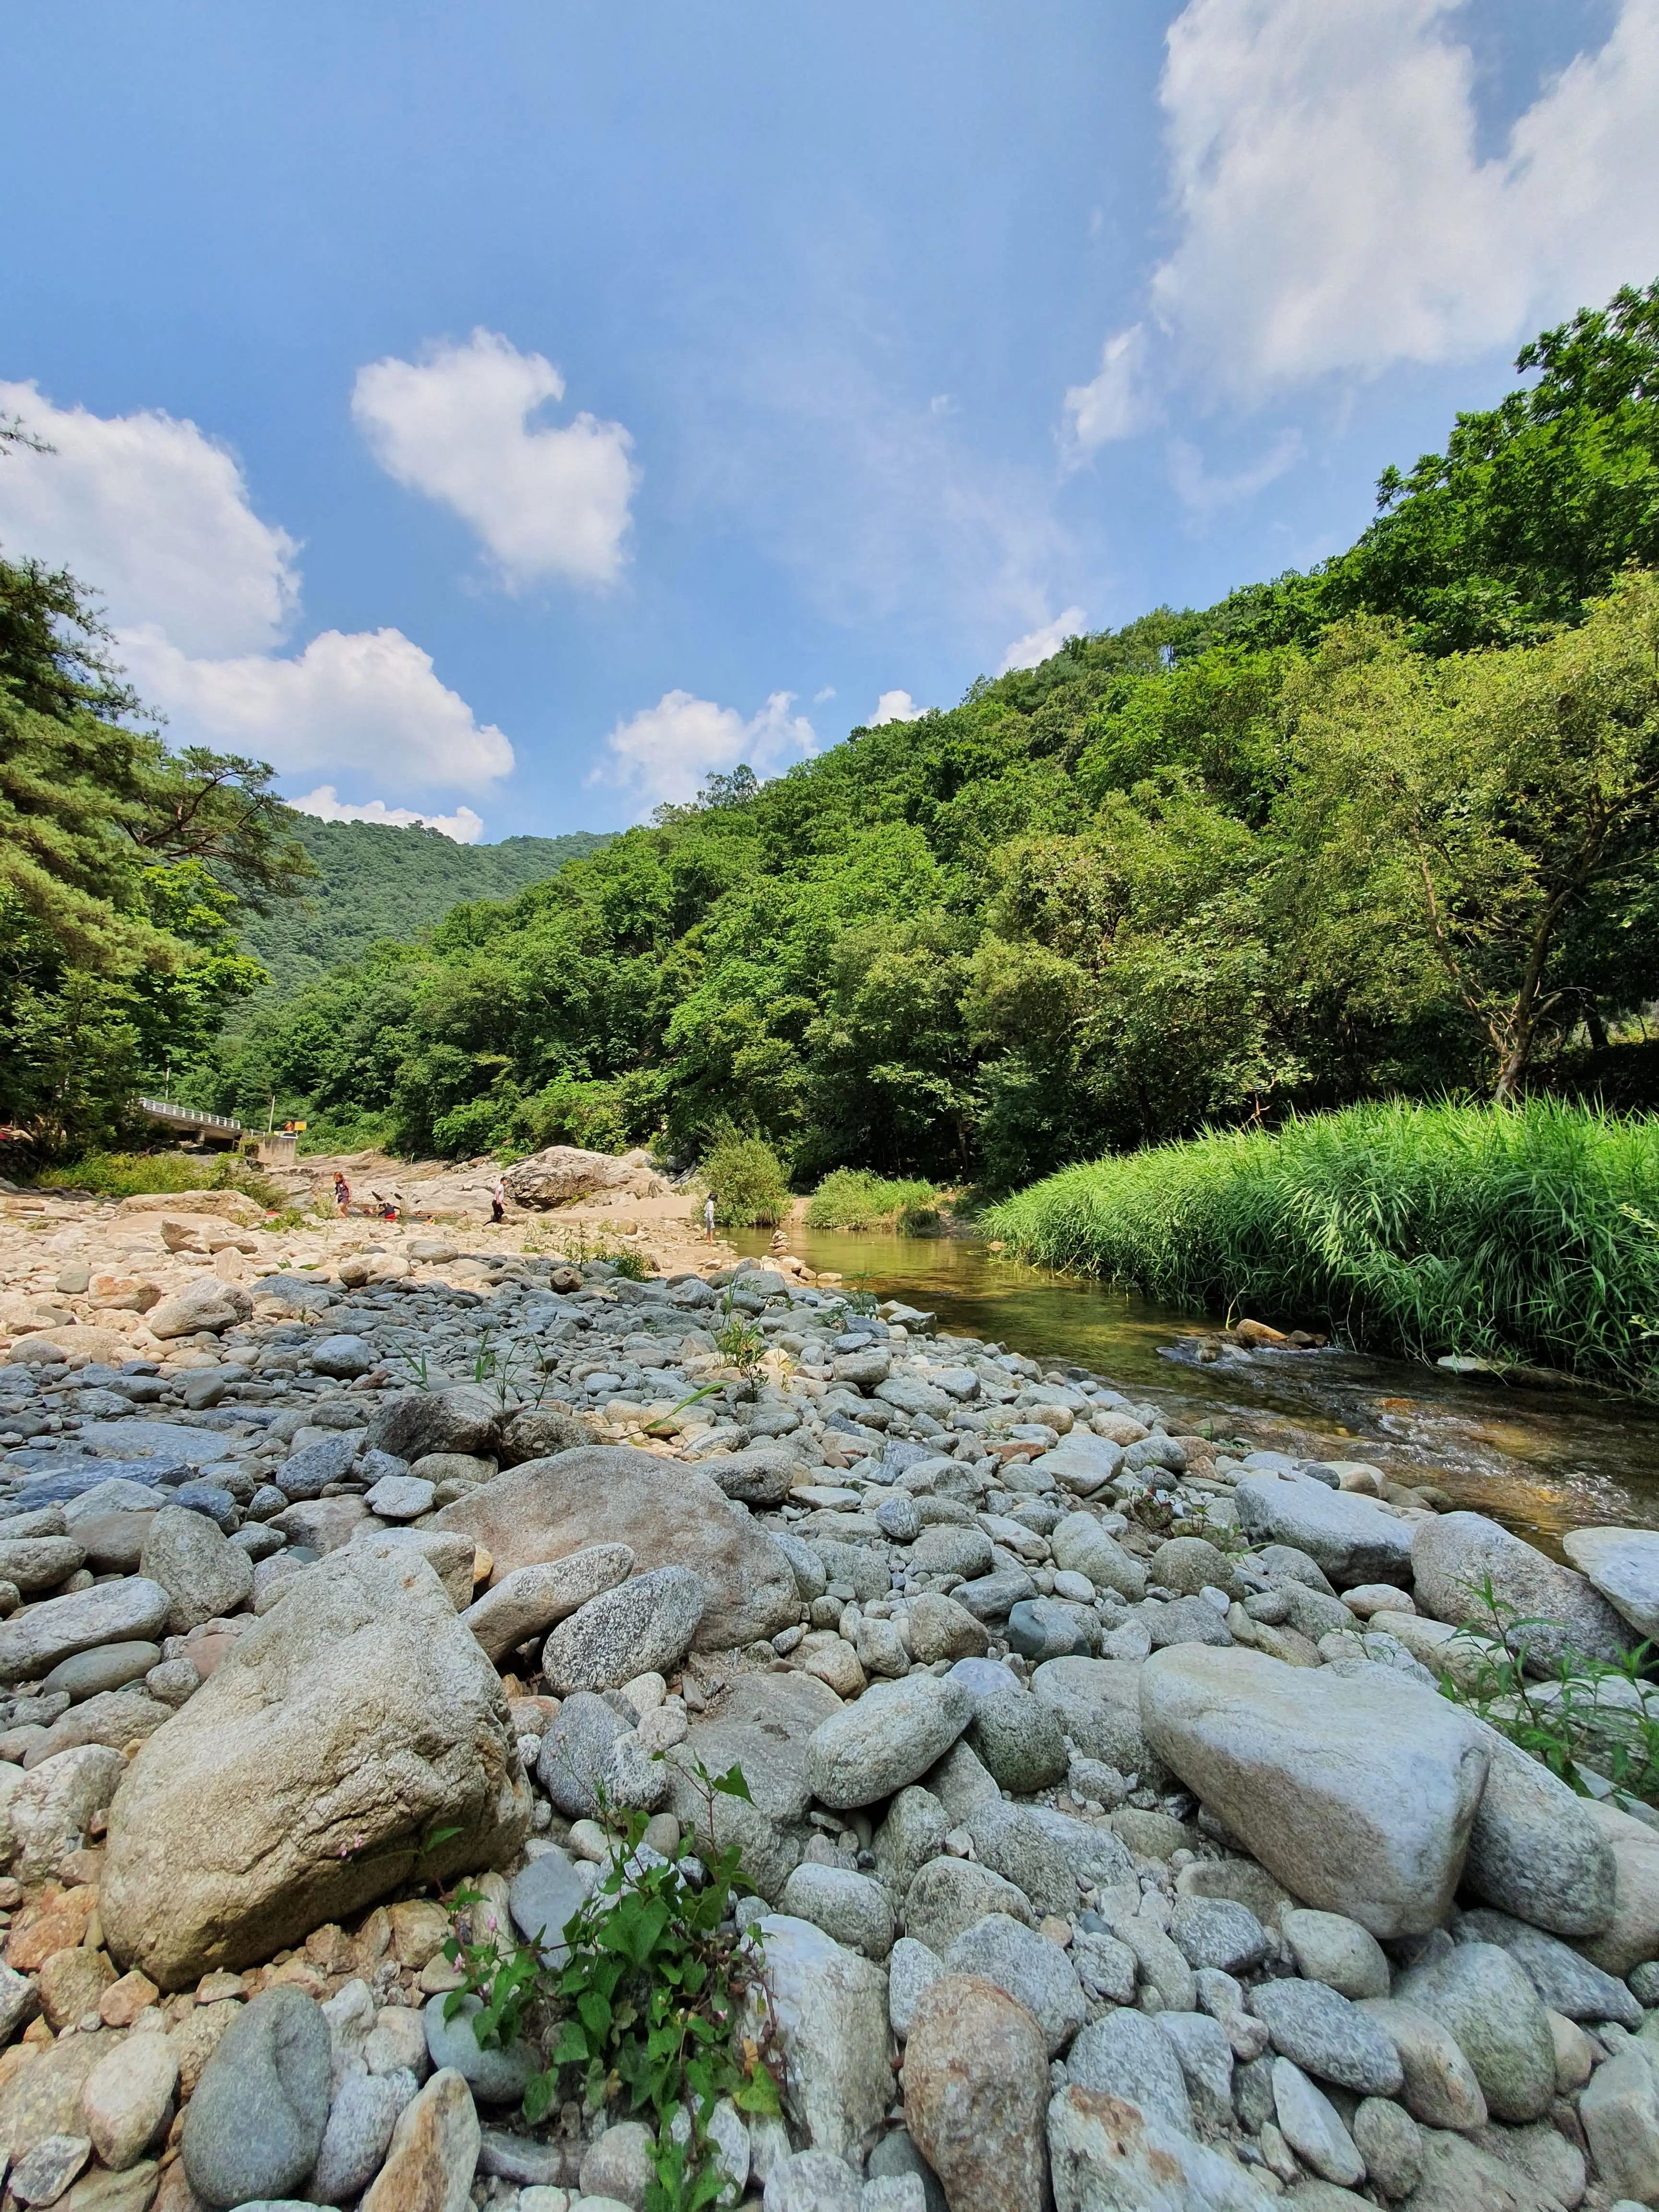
(564, 1173)
(354, 1722)
(1354, 1539)
(1455, 1555)
(1356, 1793)
(669, 1514)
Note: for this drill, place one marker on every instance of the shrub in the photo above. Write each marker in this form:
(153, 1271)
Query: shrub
(133, 1174)
(857, 1198)
(748, 1181)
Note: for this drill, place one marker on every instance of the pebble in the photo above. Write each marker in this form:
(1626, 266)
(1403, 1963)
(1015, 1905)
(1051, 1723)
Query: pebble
(433, 2152)
(542, 1897)
(1311, 2124)
(1034, 1971)
(127, 2096)
(892, 1734)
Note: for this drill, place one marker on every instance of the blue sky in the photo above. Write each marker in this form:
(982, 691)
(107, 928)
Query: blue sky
(511, 413)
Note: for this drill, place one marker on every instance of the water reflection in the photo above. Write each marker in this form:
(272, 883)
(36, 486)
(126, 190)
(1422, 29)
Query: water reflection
(1542, 1461)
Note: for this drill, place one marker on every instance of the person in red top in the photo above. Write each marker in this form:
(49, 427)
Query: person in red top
(342, 1194)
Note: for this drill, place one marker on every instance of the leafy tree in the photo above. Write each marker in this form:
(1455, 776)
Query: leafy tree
(1502, 808)
(1530, 514)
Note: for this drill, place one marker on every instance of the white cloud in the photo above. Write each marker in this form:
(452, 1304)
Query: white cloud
(464, 826)
(1115, 402)
(456, 426)
(368, 702)
(1039, 645)
(827, 692)
(664, 752)
(894, 707)
(1335, 216)
(154, 515)
(1204, 493)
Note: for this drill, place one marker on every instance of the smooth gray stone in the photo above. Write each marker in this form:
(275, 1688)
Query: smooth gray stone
(110, 1613)
(1034, 1972)
(1324, 2033)
(304, 1475)
(110, 1666)
(161, 1440)
(255, 2124)
(1215, 1931)
(1566, 1982)
(497, 2077)
(542, 1897)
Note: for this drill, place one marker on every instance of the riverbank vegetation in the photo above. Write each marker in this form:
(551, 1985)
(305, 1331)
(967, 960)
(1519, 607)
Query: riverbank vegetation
(1526, 1234)
(853, 1198)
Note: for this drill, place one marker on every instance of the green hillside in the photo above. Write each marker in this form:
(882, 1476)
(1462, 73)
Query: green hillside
(1392, 826)
(378, 880)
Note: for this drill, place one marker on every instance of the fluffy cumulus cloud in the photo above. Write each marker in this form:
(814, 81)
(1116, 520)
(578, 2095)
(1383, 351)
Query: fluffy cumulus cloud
(665, 753)
(1038, 645)
(367, 701)
(896, 707)
(545, 500)
(156, 516)
(1334, 214)
(464, 826)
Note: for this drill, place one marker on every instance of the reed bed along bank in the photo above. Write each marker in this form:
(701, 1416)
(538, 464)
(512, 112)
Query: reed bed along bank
(1526, 1233)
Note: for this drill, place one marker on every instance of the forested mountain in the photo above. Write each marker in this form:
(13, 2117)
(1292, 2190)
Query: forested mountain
(375, 879)
(1391, 825)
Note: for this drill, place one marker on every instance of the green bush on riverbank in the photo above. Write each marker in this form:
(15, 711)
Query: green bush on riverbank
(1529, 1233)
(855, 1198)
(131, 1175)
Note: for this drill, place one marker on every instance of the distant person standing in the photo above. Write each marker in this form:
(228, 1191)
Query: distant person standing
(342, 1194)
(498, 1199)
(709, 1218)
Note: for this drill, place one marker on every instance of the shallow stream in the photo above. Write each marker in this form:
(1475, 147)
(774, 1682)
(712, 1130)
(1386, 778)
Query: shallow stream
(1543, 1461)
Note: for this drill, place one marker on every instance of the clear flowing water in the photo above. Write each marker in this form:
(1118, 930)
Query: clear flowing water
(1542, 1461)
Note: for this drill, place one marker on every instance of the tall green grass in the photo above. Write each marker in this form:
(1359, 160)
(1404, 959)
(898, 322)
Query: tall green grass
(1528, 1234)
(856, 1198)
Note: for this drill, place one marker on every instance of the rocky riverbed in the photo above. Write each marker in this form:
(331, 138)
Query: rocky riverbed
(1109, 1841)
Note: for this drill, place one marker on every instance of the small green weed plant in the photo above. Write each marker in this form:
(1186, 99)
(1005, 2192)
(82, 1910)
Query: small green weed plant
(741, 1341)
(1568, 1711)
(646, 2012)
